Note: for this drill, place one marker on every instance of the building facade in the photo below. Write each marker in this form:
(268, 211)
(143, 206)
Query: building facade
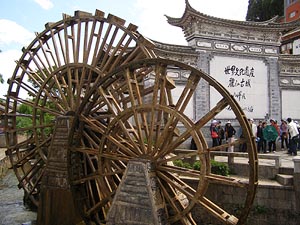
(291, 10)
(245, 57)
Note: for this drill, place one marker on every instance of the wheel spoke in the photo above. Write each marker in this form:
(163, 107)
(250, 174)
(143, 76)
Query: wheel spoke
(135, 100)
(224, 146)
(126, 126)
(217, 179)
(200, 123)
(89, 177)
(218, 212)
(178, 184)
(181, 172)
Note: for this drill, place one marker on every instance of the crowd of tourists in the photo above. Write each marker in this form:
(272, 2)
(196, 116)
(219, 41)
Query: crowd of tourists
(267, 134)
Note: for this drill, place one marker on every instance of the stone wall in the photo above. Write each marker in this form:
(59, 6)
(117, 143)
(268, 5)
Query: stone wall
(273, 205)
(4, 165)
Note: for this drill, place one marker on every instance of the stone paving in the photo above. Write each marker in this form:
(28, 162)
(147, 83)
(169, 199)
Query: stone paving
(286, 159)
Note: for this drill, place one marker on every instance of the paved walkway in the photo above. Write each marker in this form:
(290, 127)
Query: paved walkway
(286, 159)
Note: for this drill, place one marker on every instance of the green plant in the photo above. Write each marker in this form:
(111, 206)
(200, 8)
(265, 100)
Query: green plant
(180, 163)
(197, 165)
(218, 168)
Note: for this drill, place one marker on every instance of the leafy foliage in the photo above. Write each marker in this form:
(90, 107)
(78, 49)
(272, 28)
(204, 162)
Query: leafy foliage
(26, 120)
(180, 163)
(218, 168)
(262, 10)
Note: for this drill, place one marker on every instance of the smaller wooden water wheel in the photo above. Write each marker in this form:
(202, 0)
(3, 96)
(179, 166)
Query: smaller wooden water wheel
(52, 77)
(132, 115)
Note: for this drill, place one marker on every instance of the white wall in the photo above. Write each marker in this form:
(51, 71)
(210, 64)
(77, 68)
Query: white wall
(250, 89)
(290, 104)
(176, 94)
(296, 47)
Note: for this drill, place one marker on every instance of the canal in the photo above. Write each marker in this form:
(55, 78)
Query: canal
(12, 210)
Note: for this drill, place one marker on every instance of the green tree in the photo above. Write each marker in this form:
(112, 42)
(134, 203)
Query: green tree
(262, 10)
(25, 120)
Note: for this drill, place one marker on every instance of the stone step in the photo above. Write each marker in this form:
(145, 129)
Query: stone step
(286, 180)
(286, 170)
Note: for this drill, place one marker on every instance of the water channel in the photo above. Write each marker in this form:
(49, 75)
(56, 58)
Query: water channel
(12, 210)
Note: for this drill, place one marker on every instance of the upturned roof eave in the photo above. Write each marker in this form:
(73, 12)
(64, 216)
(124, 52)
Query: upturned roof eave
(191, 12)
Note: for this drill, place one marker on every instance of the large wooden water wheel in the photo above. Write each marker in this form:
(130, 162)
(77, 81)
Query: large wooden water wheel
(52, 78)
(89, 67)
(131, 115)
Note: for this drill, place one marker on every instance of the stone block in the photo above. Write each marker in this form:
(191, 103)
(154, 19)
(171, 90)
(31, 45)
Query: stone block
(286, 180)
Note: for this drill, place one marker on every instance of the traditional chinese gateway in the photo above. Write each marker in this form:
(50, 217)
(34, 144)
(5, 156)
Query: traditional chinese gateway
(244, 56)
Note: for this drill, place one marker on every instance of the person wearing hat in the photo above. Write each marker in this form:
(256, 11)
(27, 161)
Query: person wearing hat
(253, 126)
(214, 133)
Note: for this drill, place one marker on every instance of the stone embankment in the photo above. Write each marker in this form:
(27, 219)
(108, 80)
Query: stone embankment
(4, 162)
(12, 209)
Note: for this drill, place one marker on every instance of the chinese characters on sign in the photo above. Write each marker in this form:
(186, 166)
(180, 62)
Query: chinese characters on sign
(239, 80)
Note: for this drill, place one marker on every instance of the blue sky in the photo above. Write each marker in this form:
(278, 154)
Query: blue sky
(19, 19)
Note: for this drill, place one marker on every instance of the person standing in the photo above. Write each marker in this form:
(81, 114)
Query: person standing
(298, 128)
(275, 125)
(294, 136)
(221, 133)
(270, 135)
(253, 126)
(230, 132)
(284, 134)
(214, 133)
(260, 137)
(264, 141)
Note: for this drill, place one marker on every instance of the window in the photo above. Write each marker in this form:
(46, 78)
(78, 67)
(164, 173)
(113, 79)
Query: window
(290, 1)
(292, 14)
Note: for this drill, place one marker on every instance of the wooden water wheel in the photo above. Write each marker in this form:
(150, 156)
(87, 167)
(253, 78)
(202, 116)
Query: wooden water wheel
(51, 79)
(132, 115)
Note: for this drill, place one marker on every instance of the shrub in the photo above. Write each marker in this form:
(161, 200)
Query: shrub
(180, 163)
(197, 165)
(218, 168)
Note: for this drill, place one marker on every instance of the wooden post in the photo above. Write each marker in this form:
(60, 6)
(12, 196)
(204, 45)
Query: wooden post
(56, 205)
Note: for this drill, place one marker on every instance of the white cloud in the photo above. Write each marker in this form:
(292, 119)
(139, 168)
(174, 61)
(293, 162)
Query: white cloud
(153, 24)
(45, 4)
(13, 33)
(7, 67)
